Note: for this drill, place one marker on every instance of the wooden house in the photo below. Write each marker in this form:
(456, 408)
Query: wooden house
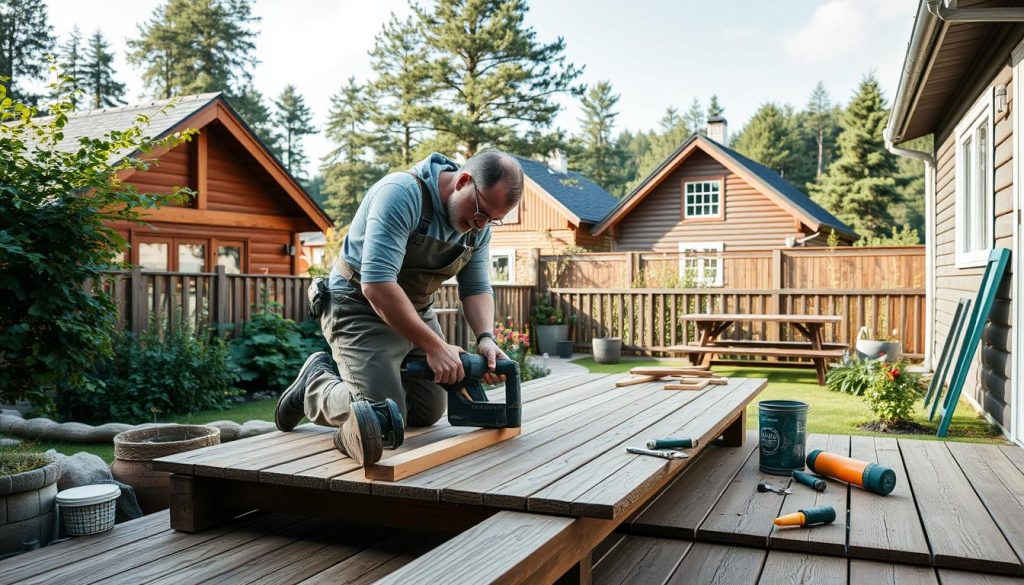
(558, 209)
(248, 211)
(962, 71)
(706, 198)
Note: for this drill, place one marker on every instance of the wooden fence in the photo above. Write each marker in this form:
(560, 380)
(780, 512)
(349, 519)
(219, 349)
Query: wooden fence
(168, 300)
(647, 320)
(846, 268)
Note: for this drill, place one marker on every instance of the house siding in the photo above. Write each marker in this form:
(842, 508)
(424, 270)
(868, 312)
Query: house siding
(988, 381)
(751, 220)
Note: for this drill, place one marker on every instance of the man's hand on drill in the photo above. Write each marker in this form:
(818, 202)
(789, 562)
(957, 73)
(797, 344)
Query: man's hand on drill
(445, 363)
(490, 350)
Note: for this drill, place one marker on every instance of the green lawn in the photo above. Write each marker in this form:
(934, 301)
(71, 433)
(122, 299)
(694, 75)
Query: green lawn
(830, 412)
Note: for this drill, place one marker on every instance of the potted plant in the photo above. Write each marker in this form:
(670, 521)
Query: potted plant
(550, 325)
(28, 489)
(882, 346)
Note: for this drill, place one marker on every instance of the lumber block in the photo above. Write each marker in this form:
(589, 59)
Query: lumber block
(662, 371)
(412, 462)
(636, 380)
(695, 385)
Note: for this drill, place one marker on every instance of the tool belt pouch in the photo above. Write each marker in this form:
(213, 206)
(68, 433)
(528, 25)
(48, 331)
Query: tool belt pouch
(319, 297)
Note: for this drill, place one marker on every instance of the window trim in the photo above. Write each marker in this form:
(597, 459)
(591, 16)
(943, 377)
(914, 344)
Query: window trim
(965, 129)
(511, 253)
(720, 179)
(717, 247)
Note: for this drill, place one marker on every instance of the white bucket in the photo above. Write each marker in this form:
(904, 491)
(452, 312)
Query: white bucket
(88, 509)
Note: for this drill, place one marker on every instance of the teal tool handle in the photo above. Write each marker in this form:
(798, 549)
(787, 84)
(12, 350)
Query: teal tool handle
(815, 483)
(819, 515)
(680, 443)
(879, 479)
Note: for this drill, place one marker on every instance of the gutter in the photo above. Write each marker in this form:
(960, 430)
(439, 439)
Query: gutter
(946, 10)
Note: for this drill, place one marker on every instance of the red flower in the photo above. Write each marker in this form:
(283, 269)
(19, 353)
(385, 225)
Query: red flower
(893, 373)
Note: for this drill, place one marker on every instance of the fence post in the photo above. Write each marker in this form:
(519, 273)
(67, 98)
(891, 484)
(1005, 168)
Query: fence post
(137, 292)
(538, 269)
(632, 262)
(774, 331)
(220, 299)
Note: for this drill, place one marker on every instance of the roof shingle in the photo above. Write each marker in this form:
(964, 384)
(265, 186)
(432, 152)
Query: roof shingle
(583, 197)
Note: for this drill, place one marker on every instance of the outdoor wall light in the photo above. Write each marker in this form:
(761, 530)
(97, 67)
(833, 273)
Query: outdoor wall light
(289, 250)
(1000, 99)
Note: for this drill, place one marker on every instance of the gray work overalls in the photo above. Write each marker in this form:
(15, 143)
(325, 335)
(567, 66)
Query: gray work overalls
(368, 351)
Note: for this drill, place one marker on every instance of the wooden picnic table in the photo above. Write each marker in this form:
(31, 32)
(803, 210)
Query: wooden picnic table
(711, 326)
(569, 461)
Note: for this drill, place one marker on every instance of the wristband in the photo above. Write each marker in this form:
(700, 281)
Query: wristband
(485, 334)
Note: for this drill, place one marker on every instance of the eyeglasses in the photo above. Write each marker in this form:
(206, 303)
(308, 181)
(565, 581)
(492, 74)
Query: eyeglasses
(480, 219)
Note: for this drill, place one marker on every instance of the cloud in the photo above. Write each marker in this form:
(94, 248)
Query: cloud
(840, 29)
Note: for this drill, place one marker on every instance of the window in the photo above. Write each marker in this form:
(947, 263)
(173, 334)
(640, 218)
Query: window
(153, 255)
(975, 221)
(701, 263)
(191, 257)
(503, 265)
(229, 255)
(702, 199)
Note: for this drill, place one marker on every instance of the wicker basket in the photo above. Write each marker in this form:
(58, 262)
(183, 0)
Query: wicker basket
(88, 509)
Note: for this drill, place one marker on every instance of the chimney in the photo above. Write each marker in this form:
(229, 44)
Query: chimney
(718, 129)
(557, 161)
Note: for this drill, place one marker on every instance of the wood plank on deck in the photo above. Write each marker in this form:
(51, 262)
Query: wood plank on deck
(713, 563)
(958, 526)
(799, 568)
(682, 506)
(877, 573)
(640, 560)
(885, 528)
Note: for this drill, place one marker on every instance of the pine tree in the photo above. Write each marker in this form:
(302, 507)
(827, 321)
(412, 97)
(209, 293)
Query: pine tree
(674, 132)
(768, 138)
(71, 65)
(694, 119)
(401, 92)
(98, 74)
(252, 108)
(861, 186)
(294, 120)
(196, 46)
(714, 107)
(348, 171)
(25, 37)
(492, 82)
(600, 158)
(821, 122)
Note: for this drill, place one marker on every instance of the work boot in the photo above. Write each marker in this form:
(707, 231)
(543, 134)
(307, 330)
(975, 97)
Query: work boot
(291, 406)
(369, 428)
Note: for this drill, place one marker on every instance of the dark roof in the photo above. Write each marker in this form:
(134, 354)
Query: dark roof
(788, 190)
(97, 123)
(768, 178)
(583, 197)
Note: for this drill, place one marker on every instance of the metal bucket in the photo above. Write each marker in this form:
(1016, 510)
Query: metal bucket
(783, 435)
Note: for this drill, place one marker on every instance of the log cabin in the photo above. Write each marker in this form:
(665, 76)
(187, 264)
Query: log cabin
(247, 212)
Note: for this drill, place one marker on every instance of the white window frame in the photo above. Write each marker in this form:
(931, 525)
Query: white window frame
(968, 205)
(511, 254)
(686, 197)
(702, 261)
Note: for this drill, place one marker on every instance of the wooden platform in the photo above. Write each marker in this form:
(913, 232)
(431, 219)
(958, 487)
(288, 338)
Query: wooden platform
(569, 459)
(260, 548)
(956, 505)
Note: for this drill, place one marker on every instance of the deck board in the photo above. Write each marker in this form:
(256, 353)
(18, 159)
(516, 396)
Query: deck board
(710, 563)
(641, 560)
(790, 567)
(958, 526)
(877, 573)
(885, 528)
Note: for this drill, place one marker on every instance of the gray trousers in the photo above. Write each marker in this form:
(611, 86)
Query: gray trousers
(369, 354)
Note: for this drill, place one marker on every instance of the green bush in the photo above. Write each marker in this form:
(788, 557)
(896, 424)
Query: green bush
(852, 377)
(151, 375)
(271, 349)
(54, 238)
(546, 313)
(892, 392)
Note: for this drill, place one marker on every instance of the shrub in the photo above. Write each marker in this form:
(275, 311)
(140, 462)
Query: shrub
(271, 349)
(546, 313)
(54, 239)
(173, 373)
(852, 377)
(892, 392)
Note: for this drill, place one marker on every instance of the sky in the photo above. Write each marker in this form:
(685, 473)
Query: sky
(655, 53)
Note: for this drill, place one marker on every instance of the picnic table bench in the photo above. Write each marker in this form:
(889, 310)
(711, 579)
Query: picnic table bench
(541, 501)
(711, 326)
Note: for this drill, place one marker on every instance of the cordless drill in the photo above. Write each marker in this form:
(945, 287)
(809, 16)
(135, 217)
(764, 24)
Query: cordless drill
(468, 405)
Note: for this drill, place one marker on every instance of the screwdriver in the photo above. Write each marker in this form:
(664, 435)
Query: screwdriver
(764, 486)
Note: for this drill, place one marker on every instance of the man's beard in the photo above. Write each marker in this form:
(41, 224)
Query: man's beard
(452, 214)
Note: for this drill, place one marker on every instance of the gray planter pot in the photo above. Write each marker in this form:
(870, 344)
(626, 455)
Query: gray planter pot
(607, 350)
(548, 337)
(28, 499)
(871, 349)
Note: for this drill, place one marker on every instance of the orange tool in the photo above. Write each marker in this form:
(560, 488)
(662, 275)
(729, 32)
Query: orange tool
(870, 476)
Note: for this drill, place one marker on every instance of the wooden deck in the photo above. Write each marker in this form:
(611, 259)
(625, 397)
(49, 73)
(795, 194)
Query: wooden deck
(955, 506)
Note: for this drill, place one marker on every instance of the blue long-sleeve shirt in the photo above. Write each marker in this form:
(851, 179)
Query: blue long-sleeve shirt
(388, 215)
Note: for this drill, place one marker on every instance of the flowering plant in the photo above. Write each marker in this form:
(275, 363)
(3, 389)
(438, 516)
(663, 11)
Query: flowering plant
(514, 343)
(892, 392)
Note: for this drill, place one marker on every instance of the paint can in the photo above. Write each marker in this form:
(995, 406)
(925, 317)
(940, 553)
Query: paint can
(782, 440)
